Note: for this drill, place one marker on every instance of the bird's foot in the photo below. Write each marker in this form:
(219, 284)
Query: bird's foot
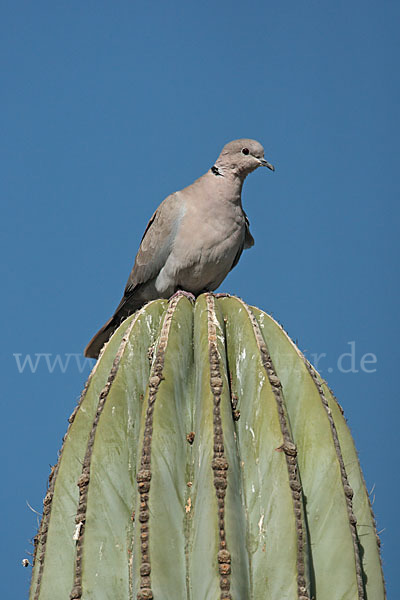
(187, 295)
(222, 295)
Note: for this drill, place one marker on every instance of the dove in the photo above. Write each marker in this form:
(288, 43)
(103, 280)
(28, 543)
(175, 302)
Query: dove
(194, 238)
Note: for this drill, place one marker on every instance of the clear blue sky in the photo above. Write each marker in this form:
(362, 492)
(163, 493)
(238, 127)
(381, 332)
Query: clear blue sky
(106, 107)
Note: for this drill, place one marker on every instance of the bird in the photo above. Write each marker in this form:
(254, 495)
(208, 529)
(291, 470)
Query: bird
(194, 238)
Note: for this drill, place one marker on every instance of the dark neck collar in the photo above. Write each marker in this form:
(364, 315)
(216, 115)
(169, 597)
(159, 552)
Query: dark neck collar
(216, 172)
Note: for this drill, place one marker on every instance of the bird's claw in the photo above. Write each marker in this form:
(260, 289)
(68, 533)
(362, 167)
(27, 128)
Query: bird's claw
(187, 295)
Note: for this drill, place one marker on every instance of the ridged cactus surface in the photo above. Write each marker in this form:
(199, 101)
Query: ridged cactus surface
(206, 459)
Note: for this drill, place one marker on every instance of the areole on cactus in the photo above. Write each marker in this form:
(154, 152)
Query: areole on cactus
(206, 459)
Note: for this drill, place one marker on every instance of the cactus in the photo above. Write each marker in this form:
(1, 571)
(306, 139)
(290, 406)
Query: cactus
(206, 459)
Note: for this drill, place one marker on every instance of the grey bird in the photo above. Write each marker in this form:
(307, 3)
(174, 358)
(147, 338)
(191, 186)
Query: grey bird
(195, 237)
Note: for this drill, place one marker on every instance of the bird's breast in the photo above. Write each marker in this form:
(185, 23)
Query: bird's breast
(204, 248)
(205, 229)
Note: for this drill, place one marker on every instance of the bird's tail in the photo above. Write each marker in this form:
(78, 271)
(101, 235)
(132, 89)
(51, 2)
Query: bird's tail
(93, 348)
(125, 308)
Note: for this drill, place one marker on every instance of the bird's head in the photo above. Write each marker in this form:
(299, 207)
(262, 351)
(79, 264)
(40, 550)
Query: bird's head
(242, 157)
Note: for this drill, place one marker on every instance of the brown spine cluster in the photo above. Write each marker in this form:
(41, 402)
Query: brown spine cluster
(289, 448)
(143, 477)
(219, 462)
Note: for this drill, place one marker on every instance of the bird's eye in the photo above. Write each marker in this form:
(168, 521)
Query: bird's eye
(245, 151)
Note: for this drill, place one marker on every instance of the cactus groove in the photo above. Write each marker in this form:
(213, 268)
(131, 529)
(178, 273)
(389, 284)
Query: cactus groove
(206, 460)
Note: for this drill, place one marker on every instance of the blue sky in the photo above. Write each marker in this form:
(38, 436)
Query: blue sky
(108, 107)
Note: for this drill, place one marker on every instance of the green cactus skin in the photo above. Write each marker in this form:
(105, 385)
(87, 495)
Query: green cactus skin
(206, 459)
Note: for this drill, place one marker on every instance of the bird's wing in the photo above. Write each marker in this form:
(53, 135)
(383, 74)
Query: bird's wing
(248, 238)
(156, 243)
(248, 241)
(154, 250)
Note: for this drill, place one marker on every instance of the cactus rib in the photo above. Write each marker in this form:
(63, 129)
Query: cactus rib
(84, 479)
(144, 474)
(348, 492)
(290, 451)
(219, 463)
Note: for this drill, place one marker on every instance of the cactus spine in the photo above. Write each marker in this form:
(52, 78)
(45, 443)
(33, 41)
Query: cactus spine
(206, 459)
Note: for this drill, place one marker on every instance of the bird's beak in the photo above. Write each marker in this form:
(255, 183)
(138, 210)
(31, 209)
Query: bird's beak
(265, 163)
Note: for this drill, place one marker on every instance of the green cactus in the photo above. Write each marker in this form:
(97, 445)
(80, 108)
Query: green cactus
(206, 459)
